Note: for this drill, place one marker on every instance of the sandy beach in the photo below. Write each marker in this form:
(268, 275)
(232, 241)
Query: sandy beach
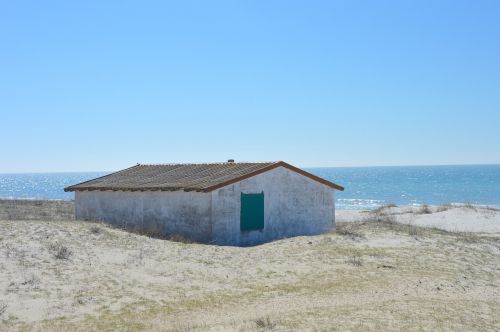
(380, 270)
(453, 218)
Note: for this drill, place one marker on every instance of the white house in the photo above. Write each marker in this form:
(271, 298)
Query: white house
(222, 203)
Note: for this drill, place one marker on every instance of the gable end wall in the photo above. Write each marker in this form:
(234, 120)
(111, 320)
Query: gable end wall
(293, 205)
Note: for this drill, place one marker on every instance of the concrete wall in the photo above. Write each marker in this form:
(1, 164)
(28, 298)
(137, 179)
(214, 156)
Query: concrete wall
(293, 205)
(178, 212)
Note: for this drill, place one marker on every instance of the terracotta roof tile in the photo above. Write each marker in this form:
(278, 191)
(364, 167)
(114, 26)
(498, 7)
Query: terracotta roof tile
(187, 177)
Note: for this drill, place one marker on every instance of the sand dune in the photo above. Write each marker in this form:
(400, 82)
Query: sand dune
(454, 218)
(373, 274)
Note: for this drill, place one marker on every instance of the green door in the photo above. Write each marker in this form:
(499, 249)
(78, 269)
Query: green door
(252, 211)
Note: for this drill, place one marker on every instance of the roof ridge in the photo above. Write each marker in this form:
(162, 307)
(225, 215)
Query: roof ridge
(214, 163)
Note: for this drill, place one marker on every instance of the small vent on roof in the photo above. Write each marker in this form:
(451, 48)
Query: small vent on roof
(230, 161)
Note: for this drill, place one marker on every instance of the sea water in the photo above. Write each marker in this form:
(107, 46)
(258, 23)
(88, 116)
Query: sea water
(370, 187)
(365, 187)
(42, 185)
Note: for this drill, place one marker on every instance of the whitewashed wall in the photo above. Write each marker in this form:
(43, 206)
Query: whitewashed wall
(293, 205)
(178, 212)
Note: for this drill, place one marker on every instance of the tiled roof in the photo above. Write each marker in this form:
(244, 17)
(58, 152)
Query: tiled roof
(187, 177)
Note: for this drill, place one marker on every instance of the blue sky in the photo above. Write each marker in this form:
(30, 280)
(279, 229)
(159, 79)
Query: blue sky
(101, 85)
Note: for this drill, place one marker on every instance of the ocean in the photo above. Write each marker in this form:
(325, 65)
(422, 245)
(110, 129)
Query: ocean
(365, 187)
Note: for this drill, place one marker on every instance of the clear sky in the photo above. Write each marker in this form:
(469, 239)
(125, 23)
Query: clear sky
(102, 85)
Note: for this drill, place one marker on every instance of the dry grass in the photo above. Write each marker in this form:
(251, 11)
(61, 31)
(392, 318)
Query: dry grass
(349, 230)
(94, 229)
(383, 208)
(413, 230)
(444, 207)
(36, 210)
(3, 308)
(354, 260)
(178, 238)
(265, 324)
(382, 215)
(155, 233)
(470, 206)
(424, 209)
(467, 237)
(60, 251)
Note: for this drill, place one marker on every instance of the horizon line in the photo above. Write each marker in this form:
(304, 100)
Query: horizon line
(304, 167)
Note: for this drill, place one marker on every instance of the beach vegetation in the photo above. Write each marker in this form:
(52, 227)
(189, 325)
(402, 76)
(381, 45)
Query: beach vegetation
(349, 230)
(265, 324)
(94, 229)
(354, 260)
(444, 207)
(424, 209)
(60, 251)
(470, 206)
(3, 308)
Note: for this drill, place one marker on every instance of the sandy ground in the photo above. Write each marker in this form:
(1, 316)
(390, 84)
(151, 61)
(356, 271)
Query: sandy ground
(454, 218)
(372, 274)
